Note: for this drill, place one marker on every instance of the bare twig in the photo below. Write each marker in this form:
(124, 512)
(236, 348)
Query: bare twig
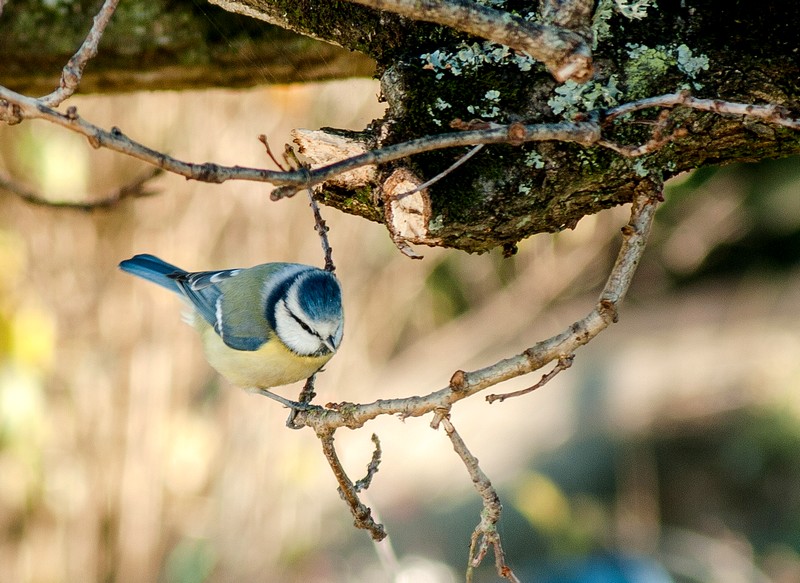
(656, 143)
(361, 513)
(563, 363)
(372, 467)
(263, 139)
(564, 53)
(463, 159)
(134, 189)
(658, 138)
(322, 230)
(770, 112)
(464, 384)
(73, 70)
(326, 420)
(14, 108)
(485, 534)
(307, 394)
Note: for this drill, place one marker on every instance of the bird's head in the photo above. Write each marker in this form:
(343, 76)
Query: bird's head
(308, 316)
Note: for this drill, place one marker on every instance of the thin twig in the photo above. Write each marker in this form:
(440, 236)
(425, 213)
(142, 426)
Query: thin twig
(361, 513)
(463, 159)
(565, 53)
(263, 139)
(770, 112)
(563, 363)
(658, 138)
(134, 189)
(372, 467)
(15, 108)
(322, 230)
(73, 70)
(585, 133)
(485, 534)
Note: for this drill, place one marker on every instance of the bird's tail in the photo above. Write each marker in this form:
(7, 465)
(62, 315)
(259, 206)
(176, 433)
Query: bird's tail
(153, 269)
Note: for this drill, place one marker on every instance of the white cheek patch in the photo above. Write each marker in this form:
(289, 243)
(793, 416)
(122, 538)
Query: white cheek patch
(293, 302)
(292, 334)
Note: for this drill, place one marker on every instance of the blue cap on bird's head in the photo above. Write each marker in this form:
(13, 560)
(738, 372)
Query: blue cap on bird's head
(319, 295)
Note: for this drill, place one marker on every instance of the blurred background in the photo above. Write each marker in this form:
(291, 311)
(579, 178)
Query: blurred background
(670, 451)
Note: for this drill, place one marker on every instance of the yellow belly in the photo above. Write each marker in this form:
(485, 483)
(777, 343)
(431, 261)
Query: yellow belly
(271, 365)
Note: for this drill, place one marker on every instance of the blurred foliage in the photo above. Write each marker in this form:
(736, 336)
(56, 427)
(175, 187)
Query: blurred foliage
(27, 341)
(731, 221)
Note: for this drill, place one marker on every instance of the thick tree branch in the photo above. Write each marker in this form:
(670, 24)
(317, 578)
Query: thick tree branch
(564, 53)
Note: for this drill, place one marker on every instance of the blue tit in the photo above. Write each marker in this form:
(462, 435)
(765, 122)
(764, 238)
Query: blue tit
(264, 326)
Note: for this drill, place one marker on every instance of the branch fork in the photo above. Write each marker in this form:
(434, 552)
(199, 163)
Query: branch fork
(560, 348)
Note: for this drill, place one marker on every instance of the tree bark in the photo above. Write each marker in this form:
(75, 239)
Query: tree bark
(740, 51)
(507, 193)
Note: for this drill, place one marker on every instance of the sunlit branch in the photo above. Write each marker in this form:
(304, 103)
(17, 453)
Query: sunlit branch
(307, 395)
(372, 467)
(464, 384)
(14, 108)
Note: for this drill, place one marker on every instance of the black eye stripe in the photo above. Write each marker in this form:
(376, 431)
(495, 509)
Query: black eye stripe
(303, 325)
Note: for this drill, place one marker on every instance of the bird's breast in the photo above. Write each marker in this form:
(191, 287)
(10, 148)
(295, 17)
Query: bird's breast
(272, 365)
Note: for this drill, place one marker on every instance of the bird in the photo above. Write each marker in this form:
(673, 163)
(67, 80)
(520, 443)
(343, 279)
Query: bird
(263, 326)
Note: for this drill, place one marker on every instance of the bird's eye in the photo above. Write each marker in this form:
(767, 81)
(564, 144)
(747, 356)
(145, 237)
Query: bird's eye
(303, 325)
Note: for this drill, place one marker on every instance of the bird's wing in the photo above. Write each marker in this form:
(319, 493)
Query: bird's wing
(232, 302)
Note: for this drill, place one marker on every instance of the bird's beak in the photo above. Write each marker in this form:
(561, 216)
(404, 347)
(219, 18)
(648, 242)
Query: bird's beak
(328, 342)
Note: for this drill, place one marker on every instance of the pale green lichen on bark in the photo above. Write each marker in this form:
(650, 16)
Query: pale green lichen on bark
(648, 67)
(605, 10)
(571, 98)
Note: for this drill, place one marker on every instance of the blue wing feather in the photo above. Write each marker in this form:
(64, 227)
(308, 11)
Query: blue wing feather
(205, 290)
